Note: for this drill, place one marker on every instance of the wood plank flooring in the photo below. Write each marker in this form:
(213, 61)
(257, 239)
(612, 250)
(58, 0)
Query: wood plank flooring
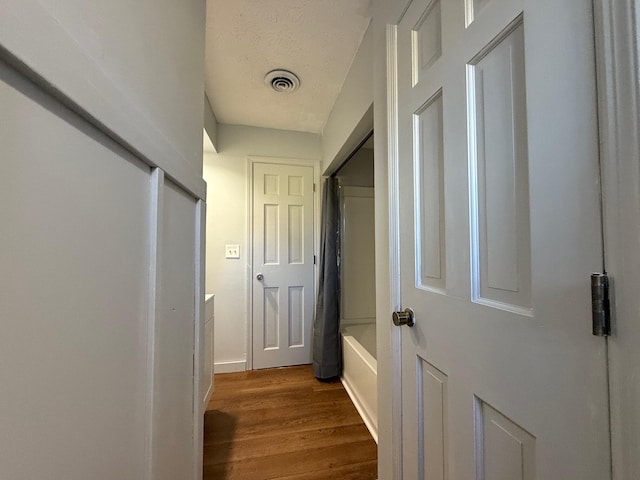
(284, 424)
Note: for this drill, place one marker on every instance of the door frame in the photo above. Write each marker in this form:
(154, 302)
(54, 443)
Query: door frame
(394, 239)
(294, 162)
(617, 24)
(617, 62)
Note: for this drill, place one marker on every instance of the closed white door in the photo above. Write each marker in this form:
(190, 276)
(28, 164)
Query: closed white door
(499, 232)
(282, 264)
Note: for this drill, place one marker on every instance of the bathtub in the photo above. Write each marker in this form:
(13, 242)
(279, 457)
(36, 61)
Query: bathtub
(359, 373)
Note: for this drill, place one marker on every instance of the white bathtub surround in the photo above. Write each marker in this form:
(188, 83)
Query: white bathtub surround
(359, 374)
(357, 256)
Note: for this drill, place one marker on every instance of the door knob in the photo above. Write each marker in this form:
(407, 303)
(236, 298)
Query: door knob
(404, 318)
(259, 277)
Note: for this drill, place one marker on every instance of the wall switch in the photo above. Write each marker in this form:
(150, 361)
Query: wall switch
(232, 251)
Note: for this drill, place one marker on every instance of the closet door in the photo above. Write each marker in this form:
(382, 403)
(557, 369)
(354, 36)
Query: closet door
(282, 264)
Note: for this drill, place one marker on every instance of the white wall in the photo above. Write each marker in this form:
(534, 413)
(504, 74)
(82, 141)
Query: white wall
(227, 223)
(137, 68)
(92, 286)
(351, 118)
(210, 123)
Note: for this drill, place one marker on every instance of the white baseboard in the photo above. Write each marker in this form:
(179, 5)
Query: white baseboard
(230, 367)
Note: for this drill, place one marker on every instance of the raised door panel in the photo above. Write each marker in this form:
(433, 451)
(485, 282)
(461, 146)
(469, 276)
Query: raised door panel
(504, 450)
(271, 241)
(426, 39)
(271, 318)
(432, 422)
(431, 260)
(500, 175)
(296, 234)
(296, 317)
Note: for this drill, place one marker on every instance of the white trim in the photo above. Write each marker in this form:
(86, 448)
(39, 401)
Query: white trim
(89, 94)
(198, 338)
(394, 244)
(617, 38)
(229, 367)
(317, 219)
(249, 263)
(282, 161)
(487, 302)
(156, 202)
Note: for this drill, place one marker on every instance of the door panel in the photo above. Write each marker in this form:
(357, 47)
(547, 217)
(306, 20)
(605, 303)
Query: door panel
(430, 226)
(500, 230)
(432, 422)
(296, 317)
(283, 254)
(504, 451)
(501, 253)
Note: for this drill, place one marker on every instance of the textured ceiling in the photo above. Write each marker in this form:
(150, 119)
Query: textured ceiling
(316, 39)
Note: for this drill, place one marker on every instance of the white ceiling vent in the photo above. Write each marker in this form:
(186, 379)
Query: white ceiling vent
(282, 81)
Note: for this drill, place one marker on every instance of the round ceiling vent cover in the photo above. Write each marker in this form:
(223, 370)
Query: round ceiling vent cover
(282, 81)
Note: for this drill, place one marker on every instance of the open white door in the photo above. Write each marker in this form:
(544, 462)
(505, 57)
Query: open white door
(282, 264)
(500, 229)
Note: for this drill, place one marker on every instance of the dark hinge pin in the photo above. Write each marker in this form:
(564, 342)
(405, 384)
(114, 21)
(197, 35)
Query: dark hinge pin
(600, 309)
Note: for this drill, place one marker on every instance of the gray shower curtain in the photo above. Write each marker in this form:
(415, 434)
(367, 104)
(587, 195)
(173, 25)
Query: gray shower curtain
(327, 354)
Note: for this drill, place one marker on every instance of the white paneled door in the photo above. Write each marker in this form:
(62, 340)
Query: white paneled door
(282, 264)
(499, 232)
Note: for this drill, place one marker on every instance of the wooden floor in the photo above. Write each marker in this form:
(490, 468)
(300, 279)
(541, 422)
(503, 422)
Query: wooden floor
(284, 424)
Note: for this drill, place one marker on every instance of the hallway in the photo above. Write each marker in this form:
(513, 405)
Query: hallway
(284, 424)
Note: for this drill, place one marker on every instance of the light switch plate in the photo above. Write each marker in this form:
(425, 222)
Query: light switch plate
(232, 251)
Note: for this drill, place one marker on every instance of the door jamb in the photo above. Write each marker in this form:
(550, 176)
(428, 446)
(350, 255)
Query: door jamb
(395, 298)
(251, 159)
(200, 218)
(617, 42)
